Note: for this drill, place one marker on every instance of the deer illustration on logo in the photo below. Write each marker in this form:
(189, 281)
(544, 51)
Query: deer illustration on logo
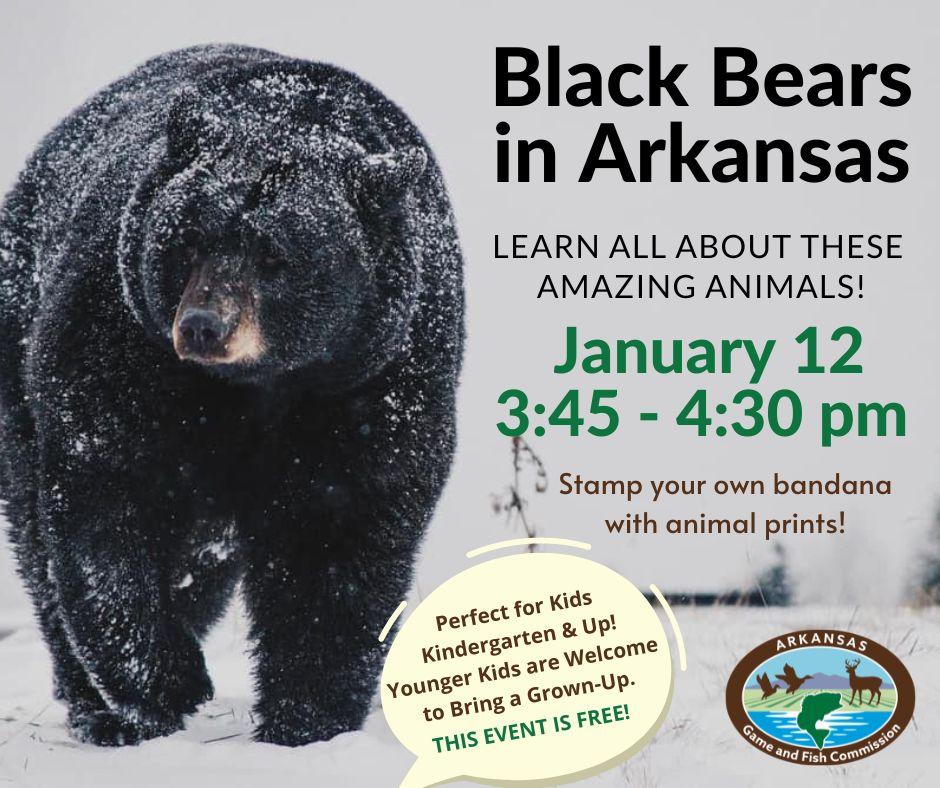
(861, 683)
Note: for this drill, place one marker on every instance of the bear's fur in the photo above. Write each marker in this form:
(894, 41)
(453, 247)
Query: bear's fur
(305, 457)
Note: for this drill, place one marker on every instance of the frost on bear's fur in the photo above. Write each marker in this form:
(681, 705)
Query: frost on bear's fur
(141, 485)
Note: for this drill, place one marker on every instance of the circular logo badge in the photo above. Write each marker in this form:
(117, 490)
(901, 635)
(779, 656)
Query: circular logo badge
(820, 697)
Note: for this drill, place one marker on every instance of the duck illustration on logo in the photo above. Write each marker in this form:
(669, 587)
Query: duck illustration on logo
(768, 688)
(790, 678)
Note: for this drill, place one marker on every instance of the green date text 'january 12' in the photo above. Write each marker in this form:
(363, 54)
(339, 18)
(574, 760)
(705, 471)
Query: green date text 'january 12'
(746, 413)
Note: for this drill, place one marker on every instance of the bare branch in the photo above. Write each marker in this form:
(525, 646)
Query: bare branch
(513, 501)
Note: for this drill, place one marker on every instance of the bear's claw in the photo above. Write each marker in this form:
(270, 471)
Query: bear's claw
(111, 729)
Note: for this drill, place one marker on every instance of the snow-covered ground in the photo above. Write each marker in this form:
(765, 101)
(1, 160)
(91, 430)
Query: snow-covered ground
(696, 746)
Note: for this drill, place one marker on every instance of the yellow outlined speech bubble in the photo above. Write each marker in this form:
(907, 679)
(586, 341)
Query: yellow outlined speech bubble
(527, 669)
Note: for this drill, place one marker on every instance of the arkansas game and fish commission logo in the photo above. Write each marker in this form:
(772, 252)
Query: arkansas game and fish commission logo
(820, 696)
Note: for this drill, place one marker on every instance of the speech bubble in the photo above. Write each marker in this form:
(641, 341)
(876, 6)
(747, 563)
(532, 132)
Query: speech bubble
(531, 668)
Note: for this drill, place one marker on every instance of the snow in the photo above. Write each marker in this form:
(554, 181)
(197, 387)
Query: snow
(215, 748)
(696, 745)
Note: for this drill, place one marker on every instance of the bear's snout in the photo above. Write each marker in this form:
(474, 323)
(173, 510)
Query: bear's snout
(217, 320)
(202, 333)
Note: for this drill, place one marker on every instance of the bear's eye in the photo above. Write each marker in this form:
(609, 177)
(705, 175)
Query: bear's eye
(269, 262)
(266, 254)
(190, 242)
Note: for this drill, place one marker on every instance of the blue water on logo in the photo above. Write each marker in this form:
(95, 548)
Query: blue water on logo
(847, 727)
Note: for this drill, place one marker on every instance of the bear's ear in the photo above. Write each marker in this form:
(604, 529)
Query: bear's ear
(186, 126)
(385, 177)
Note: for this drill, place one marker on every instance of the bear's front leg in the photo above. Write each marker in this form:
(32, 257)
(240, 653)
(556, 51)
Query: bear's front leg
(318, 597)
(114, 604)
(109, 458)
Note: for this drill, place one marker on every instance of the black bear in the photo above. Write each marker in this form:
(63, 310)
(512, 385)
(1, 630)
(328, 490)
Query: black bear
(231, 325)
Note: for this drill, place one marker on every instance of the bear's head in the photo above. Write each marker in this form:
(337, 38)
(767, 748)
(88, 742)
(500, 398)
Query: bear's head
(262, 242)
